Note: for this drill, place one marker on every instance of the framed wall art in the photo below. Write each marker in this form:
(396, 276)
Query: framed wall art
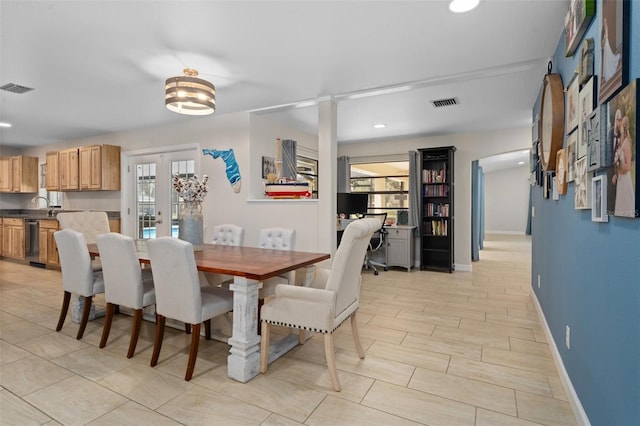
(586, 102)
(561, 171)
(554, 188)
(623, 197)
(546, 184)
(268, 166)
(599, 199)
(593, 131)
(571, 103)
(572, 156)
(586, 60)
(614, 45)
(582, 186)
(578, 17)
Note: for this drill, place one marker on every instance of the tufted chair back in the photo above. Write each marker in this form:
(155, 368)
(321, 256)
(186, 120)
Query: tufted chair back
(228, 235)
(90, 224)
(277, 238)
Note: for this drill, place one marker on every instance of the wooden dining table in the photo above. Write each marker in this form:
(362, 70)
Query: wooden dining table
(249, 266)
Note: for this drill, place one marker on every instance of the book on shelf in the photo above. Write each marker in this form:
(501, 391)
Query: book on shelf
(437, 209)
(438, 228)
(437, 175)
(436, 190)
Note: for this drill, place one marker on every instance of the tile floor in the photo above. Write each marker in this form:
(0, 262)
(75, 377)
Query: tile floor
(442, 349)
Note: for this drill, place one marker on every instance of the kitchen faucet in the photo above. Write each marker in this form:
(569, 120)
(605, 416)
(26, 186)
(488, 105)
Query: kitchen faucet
(51, 212)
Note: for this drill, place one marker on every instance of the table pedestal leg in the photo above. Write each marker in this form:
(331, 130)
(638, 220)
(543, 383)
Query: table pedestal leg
(243, 362)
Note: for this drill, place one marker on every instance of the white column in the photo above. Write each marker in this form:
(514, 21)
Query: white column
(243, 363)
(327, 163)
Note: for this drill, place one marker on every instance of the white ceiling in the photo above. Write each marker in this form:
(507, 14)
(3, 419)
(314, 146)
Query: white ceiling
(99, 66)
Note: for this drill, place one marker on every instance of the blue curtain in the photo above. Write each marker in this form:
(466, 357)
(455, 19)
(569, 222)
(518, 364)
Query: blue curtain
(528, 230)
(415, 186)
(477, 210)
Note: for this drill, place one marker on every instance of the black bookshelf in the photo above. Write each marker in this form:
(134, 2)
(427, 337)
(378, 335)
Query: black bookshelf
(436, 210)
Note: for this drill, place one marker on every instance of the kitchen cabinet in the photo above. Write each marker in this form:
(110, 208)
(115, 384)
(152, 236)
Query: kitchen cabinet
(68, 170)
(1, 238)
(19, 174)
(100, 167)
(52, 172)
(400, 246)
(48, 249)
(13, 234)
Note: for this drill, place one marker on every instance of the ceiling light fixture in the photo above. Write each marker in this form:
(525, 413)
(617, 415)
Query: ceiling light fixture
(3, 124)
(520, 163)
(189, 94)
(379, 126)
(461, 6)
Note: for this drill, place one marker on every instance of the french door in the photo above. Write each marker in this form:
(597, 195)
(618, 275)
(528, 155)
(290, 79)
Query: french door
(153, 203)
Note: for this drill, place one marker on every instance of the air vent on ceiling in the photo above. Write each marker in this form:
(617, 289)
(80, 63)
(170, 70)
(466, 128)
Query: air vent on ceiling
(16, 88)
(444, 102)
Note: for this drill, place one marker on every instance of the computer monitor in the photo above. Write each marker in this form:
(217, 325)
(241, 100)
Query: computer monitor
(352, 203)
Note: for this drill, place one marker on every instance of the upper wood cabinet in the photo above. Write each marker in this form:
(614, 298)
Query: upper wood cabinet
(68, 170)
(52, 172)
(19, 174)
(100, 168)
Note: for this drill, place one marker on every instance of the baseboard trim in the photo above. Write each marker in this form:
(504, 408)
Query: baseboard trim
(463, 268)
(506, 232)
(572, 396)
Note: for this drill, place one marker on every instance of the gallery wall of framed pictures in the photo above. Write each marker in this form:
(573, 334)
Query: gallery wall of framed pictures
(601, 116)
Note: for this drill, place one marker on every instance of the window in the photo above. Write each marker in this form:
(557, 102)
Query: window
(308, 171)
(386, 183)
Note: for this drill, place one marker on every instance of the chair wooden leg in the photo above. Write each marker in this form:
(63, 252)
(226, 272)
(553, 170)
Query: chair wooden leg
(157, 344)
(106, 328)
(260, 303)
(135, 332)
(86, 310)
(331, 361)
(356, 335)
(187, 328)
(207, 329)
(63, 311)
(264, 347)
(302, 336)
(193, 351)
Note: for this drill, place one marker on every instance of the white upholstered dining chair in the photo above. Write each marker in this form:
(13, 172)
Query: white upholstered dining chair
(179, 294)
(278, 239)
(78, 276)
(332, 298)
(126, 283)
(227, 235)
(90, 224)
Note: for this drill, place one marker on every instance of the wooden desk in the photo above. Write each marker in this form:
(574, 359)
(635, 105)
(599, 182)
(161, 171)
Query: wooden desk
(249, 266)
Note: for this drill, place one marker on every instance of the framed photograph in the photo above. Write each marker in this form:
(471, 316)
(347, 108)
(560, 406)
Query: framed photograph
(614, 45)
(599, 199)
(268, 166)
(593, 131)
(535, 129)
(546, 184)
(579, 16)
(572, 156)
(582, 186)
(586, 102)
(586, 60)
(554, 188)
(561, 171)
(571, 104)
(623, 196)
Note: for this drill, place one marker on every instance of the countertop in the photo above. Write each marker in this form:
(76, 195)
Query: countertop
(43, 213)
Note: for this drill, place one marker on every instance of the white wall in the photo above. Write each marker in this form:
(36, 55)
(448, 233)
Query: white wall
(506, 200)
(470, 146)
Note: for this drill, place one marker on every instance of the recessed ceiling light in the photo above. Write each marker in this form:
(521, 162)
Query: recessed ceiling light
(461, 6)
(3, 124)
(379, 126)
(520, 163)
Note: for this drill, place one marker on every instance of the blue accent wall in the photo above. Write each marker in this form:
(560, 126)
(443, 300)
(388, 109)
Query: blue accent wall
(590, 278)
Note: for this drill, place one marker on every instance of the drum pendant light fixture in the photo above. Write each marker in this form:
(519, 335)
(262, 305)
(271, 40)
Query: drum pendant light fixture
(189, 94)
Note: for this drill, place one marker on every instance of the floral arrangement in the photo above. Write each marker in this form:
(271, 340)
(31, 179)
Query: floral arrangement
(191, 189)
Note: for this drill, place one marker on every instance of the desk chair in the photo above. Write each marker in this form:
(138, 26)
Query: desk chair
(180, 296)
(333, 297)
(125, 282)
(377, 243)
(77, 275)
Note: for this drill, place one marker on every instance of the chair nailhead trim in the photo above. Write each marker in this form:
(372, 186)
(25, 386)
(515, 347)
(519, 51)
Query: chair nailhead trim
(283, 324)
